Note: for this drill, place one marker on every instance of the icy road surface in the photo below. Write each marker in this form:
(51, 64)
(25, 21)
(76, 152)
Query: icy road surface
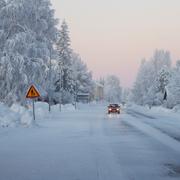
(88, 144)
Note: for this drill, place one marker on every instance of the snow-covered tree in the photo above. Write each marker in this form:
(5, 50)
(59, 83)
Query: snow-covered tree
(27, 32)
(73, 76)
(152, 79)
(65, 56)
(160, 59)
(173, 89)
(83, 82)
(163, 79)
(143, 81)
(125, 95)
(112, 89)
(65, 64)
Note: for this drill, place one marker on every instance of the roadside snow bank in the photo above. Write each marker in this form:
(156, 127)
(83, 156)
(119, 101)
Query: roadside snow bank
(8, 118)
(176, 109)
(18, 115)
(15, 116)
(165, 120)
(25, 116)
(64, 108)
(156, 111)
(42, 110)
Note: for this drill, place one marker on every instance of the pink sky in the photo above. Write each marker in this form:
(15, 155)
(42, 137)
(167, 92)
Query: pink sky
(113, 36)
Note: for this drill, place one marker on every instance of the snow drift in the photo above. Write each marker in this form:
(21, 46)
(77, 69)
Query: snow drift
(14, 116)
(17, 115)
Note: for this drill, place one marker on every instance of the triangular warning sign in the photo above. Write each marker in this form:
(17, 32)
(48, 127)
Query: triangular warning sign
(32, 92)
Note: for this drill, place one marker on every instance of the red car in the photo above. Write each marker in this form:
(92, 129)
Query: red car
(114, 108)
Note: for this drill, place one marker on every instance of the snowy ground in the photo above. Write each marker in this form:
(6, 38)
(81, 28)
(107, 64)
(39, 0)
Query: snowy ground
(167, 121)
(88, 144)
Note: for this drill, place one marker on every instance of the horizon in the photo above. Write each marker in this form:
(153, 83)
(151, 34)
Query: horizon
(113, 37)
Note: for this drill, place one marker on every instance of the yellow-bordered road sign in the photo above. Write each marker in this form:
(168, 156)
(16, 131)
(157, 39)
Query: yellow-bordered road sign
(32, 93)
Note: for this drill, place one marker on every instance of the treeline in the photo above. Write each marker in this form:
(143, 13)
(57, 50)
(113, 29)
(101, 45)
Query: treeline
(112, 89)
(34, 51)
(157, 82)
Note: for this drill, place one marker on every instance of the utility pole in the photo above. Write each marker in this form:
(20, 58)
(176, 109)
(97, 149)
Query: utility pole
(50, 71)
(75, 96)
(60, 84)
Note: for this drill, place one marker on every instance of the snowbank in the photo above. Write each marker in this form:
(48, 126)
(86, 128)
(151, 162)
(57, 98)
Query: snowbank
(18, 115)
(15, 116)
(26, 119)
(8, 118)
(176, 109)
(42, 109)
(157, 111)
(165, 120)
(64, 108)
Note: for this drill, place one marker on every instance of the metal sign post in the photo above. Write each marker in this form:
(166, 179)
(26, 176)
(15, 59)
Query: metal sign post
(33, 110)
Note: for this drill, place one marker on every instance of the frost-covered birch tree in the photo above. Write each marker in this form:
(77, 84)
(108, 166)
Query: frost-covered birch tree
(27, 32)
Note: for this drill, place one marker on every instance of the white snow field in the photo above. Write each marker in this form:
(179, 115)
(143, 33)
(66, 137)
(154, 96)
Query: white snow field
(88, 144)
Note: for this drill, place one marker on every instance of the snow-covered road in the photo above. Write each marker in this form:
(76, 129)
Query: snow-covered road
(88, 144)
